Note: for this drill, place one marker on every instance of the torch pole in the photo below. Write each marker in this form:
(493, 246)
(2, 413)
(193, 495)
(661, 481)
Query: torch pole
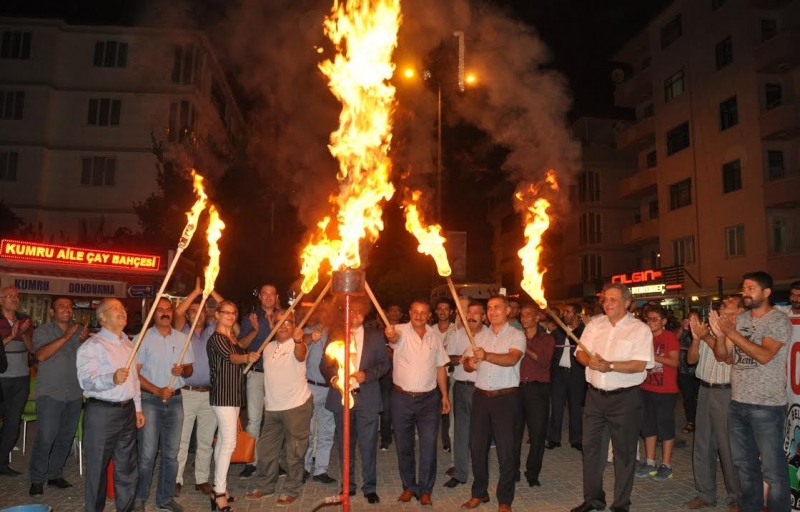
(314, 306)
(460, 309)
(568, 331)
(153, 307)
(275, 329)
(375, 303)
(188, 338)
(346, 408)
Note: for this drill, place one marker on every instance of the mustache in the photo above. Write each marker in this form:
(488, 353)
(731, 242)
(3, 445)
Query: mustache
(165, 317)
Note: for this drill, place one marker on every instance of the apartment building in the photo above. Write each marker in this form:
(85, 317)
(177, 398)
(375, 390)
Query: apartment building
(80, 107)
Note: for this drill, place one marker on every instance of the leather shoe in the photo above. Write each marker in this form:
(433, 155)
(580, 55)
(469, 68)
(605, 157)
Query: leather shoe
(323, 478)
(453, 482)
(578, 446)
(205, 488)
(372, 497)
(36, 489)
(475, 502)
(534, 482)
(406, 496)
(550, 445)
(698, 502)
(504, 508)
(59, 482)
(586, 507)
(425, 499)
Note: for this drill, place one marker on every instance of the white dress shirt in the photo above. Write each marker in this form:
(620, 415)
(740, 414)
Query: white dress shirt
(416, 361)
(459, 346)
(491, 377)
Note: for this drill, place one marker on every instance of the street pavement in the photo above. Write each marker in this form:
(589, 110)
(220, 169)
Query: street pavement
(561, 488)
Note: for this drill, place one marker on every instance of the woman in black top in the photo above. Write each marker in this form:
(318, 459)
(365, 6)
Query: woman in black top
(225, 362)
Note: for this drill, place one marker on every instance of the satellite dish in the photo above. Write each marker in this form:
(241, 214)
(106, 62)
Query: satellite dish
(617, 75)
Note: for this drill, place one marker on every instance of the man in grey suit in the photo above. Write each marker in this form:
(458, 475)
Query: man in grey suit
(372, 363)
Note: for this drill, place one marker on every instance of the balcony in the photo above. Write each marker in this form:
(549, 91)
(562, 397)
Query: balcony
(783, 193)
(638, 135)
(780, 123)
(636, 89)
(638, 184)
(779, 54)
(642, 233)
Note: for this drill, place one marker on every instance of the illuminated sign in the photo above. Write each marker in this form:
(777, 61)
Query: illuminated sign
(76, 256)
(650, 288)
(642, 276)
(47, 285)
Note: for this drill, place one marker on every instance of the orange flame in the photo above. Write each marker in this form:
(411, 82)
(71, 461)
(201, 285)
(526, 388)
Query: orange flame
(365, 36)
(194, 214)
(536, 221)
(335, 350)
(431, 242)
(213, 234)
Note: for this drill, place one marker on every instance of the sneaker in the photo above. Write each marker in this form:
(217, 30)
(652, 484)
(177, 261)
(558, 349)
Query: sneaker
(645, 470)
(248, 471)
(171, 506)
(662, 473)
(384, 447)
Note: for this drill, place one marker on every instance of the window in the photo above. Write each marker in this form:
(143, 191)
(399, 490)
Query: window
(728, 113)
(716, 4)
(678, 138)
(591, 267)
(589, 187)
(674, 86)
(15, 45)
(8, 165)
(779, 235)
(104, 112)
(184, 64)
(648, 111)
(181, 121)
(671, 31)
(653, 207)
(680, 194)
(651, 159)
(724, 52)
(683, 251)
(11, 103)
(774, 95)
(734, 241)
(590, 228)
(110, 54)
(776, 167)
(769, 29)
(731, 176)
(98, 171)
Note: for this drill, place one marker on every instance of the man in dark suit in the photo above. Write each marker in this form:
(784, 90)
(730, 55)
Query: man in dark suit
(569, 382)
(369, 351)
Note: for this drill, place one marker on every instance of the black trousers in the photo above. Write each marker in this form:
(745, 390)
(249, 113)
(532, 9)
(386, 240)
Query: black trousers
(364, 429)
(568, 386)
(420, 414)
(619, 414)
(498, 417)
(15, 394)
(535, 404)
(110, 432)
(386, 383)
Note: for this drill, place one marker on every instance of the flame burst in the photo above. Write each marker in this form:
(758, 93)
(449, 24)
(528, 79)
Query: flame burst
(364, 33)
(213, 234)
(431, 242)
(335, 350)
(194, 214)
(536, 222)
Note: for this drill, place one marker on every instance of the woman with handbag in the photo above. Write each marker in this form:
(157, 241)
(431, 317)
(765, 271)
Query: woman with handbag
(225, 360)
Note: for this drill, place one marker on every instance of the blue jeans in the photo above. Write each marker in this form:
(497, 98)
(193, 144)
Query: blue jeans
(162, 428)
(57, 423)
(757, 430)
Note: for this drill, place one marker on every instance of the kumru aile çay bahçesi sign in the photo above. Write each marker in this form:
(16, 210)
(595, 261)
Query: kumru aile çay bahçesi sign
(76, 256)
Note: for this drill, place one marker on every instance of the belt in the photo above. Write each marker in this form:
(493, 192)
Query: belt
(564, 368)
(177, 392)
(617, 391)
(412, 394)
(532, 382)
(97, 401)
(199, 389)
(258, 370)
(466, 382)
(714, 386)
(495, 392)
(320, 384)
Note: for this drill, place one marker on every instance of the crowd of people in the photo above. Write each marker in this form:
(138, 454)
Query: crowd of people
(618, 374)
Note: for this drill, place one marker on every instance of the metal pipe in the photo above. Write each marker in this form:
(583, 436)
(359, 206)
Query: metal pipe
(346, 409)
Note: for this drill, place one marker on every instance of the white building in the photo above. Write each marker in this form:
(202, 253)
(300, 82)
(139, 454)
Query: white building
(79, 107)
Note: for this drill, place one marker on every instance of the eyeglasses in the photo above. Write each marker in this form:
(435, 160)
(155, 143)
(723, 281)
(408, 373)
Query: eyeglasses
(652, 319)
(226, 312)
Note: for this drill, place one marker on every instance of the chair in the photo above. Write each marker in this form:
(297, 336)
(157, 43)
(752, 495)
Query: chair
(78, 443)
(28, 413)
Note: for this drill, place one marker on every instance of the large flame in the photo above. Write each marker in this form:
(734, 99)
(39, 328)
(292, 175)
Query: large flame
(193, 215)
(335, 350)
(536, 222)
(431, 242)
(213, 234)
(364, 33)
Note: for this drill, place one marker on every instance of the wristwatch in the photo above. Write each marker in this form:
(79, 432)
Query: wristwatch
(611, 367)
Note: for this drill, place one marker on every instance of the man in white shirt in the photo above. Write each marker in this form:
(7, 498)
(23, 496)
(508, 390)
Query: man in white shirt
(622, 351)
(420, 384)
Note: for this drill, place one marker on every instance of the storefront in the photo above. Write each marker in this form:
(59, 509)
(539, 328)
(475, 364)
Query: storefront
(41, 272)
(662, 286)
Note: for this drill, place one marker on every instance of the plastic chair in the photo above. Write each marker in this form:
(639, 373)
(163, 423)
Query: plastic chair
(79, 443)
(28, 413)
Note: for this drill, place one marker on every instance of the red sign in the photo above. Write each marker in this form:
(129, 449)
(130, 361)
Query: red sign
(76, 256)
(641, 276)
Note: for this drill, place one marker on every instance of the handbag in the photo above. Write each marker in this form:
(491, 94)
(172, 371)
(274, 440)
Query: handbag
(245, 451)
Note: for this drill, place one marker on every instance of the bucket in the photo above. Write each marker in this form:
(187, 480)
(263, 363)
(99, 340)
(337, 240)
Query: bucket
(33, 507)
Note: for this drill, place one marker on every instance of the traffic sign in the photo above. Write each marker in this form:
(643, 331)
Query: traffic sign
(141, 291)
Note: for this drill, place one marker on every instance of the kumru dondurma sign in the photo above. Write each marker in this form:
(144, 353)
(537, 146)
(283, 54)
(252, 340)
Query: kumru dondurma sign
(76, 256)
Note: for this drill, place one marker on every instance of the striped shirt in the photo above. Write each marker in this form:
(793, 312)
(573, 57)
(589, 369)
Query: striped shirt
(709, 370)
(226, 377)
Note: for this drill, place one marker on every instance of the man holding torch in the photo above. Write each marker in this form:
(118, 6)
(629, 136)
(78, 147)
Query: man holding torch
(163, 405)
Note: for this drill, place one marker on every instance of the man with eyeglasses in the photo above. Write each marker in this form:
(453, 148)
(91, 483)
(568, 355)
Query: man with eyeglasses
(16, 331)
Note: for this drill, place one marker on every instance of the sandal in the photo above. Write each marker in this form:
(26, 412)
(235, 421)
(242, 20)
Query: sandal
(688, 428)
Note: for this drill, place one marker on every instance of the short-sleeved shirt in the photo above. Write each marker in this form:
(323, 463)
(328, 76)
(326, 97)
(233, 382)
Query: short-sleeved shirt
(459, 346)
(285, 385)
(629, 340)
(492, 377)
(201, 375)
(662, 378)
(761, 384)
(417, 360)
(158, 354)
(16, 351)
(56, 377)
(226, 377)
